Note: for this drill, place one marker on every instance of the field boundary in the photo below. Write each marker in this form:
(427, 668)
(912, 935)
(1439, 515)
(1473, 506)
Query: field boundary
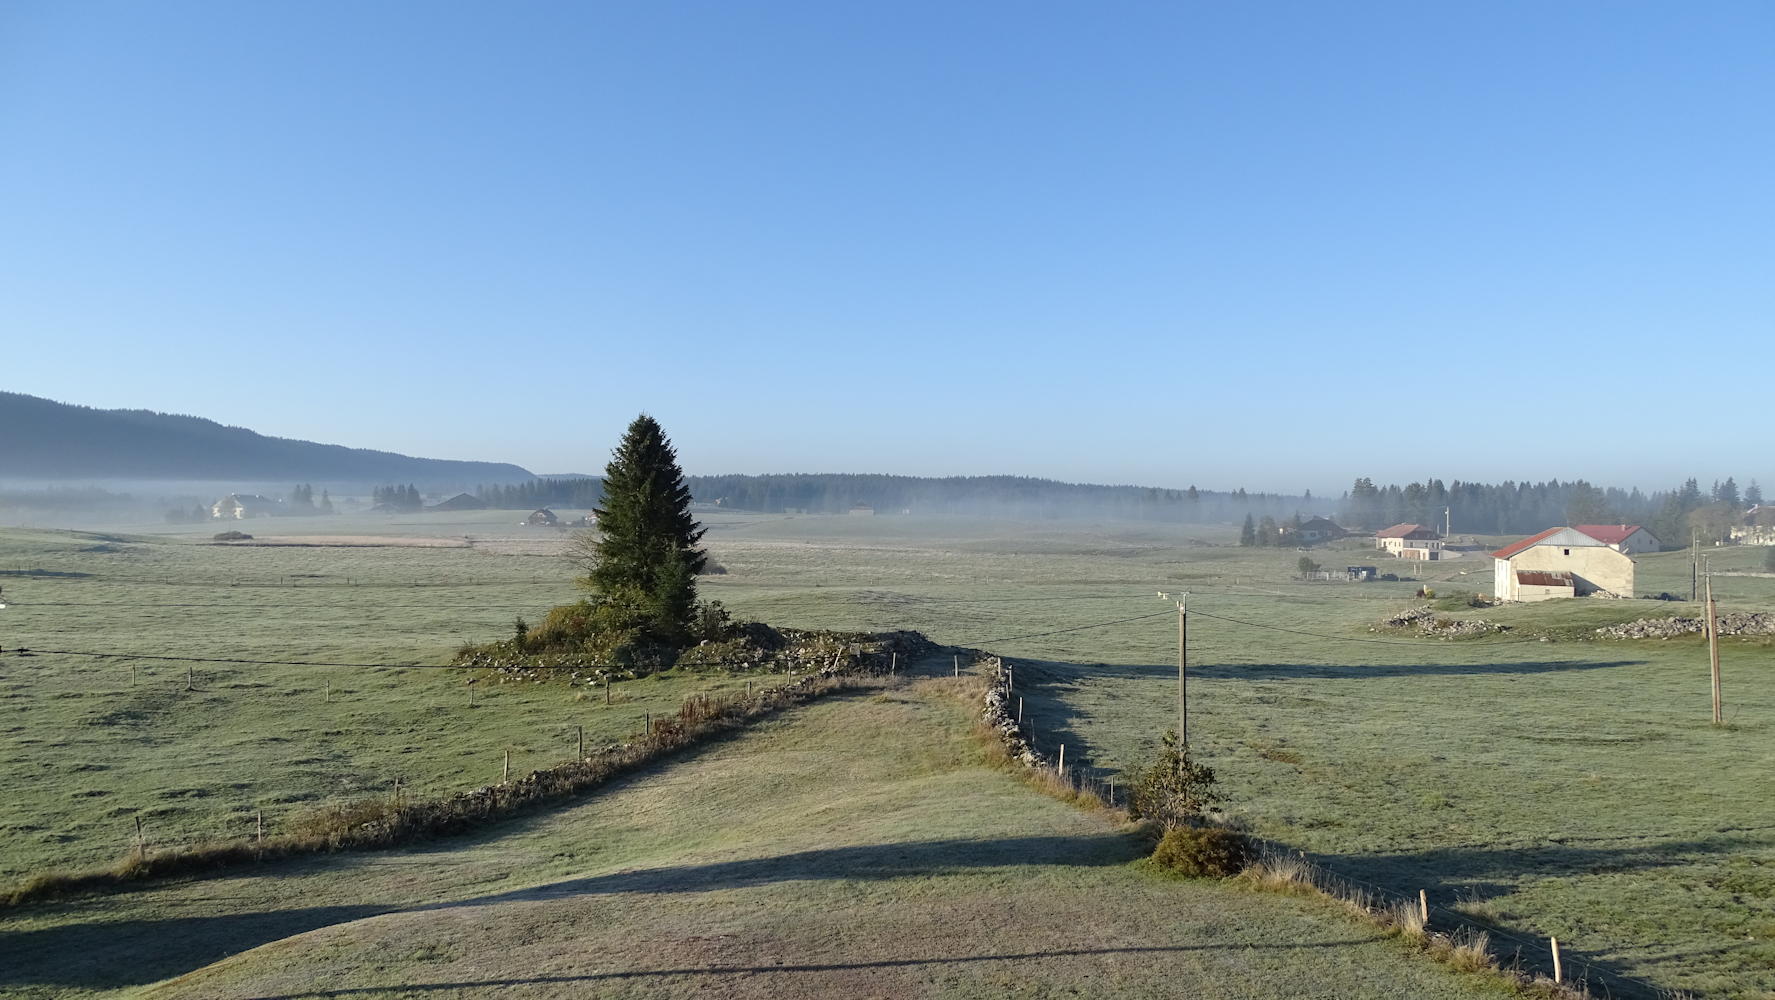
(381, 823)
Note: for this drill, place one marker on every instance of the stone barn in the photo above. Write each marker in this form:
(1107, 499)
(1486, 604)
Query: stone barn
(1560, 562)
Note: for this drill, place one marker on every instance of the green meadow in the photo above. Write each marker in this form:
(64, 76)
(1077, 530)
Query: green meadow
(1541, 780)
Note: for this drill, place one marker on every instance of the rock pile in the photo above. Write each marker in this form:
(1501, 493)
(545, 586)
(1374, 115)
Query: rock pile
(1733, 623)
(1426, 622)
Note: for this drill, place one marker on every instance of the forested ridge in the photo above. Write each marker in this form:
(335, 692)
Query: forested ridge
(46, 440)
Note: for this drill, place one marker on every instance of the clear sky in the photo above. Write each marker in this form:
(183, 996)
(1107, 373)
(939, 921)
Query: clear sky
(1270, 245)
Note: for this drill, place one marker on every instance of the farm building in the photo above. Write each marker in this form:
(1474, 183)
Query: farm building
(542, 518)
(1410, 541)
(1319, 529)
(1630, 539)
(1756, 527)
(461, 501)
(862, 510)
(1560, 562)
(239, 507)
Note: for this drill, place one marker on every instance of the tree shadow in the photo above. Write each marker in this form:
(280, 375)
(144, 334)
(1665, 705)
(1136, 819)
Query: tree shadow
(112, 954)
(906, 859)
(814, 967)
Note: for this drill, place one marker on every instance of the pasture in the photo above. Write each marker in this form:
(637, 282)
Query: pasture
(1544, 780)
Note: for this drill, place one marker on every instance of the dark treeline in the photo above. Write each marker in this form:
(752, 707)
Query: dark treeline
(1512, 508)
(579, 493)
(404, 498)
(998, 496)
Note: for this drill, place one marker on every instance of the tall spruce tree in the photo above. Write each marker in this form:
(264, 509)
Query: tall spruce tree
(645, 552)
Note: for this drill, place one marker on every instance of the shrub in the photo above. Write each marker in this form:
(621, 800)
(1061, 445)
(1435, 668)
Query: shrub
(231, 536)
(1203, 851)
(1174, 790)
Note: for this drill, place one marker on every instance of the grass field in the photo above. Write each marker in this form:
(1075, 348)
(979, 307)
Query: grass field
(1569, 787)
(886, 860)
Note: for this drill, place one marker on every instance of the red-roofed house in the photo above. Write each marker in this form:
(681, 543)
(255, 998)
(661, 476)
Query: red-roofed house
(1629, 538)
(1560, 562)
(1410, 541)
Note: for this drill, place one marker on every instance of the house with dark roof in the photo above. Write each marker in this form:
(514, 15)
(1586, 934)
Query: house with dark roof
(1318, 529)
(461, 501)
(1562, 562)
(542, 518)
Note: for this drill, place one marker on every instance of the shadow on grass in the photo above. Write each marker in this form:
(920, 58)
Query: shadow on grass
(909, 859)
(1045, 670)
(111, 954)
(101, 954)
(776, 969)
(1448, 874)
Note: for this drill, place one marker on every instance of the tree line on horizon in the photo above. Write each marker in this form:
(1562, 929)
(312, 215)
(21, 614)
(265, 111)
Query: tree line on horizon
(1512, 508)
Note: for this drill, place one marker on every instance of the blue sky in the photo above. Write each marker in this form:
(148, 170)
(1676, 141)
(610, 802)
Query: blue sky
(1270, 245)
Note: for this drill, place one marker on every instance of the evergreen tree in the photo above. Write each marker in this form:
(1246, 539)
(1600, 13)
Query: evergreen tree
(1753, 494)
(1248, 533)
(645, 552)
(1728, 493)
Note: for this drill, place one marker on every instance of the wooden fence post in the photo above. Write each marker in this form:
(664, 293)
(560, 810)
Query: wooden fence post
(894, 664)
(190, 678)
(141, 841)
(261, 834)
(1019, 710)
(1424, 906)
(606, 689)
(1558, 971)
(582, 742)
(507, 774)
(1060, 768)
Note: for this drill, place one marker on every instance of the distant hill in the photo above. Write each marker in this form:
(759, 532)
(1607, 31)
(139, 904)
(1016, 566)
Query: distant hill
(44, 439)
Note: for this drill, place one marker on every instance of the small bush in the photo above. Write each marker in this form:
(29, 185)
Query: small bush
(1174, 789)
(1203, 851)
(231, 536)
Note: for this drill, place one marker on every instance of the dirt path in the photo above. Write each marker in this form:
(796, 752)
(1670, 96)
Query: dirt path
(857, 847)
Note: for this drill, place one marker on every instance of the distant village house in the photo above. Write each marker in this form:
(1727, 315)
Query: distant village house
(1563, 562)
(1410, 541)
(1756, 527)
(1319, 529)
(239, 507)
(862, 510)
(542, 518)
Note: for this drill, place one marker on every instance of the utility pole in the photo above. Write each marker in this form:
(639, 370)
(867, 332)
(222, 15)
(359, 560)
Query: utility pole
(1713, 654)
(1183, 672)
